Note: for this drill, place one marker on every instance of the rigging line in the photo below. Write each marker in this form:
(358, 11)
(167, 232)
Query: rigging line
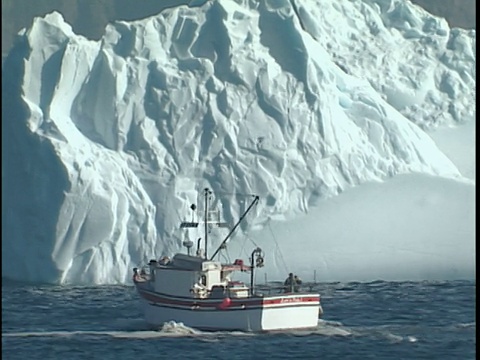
(235, 193)
(227, 256)
(253, 242)
(242, 250)
(278, 247)
(224, 255)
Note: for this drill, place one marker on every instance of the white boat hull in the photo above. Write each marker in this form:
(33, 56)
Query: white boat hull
(267, 313)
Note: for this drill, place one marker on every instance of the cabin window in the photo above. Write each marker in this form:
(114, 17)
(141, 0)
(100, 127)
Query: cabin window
(203, 280)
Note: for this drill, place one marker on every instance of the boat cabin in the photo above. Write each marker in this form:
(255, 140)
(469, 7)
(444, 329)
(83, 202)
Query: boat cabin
(193, 276)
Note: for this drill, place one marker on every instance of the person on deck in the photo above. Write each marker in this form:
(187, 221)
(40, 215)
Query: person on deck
(292, 283)
(289, 283)
(296, 283)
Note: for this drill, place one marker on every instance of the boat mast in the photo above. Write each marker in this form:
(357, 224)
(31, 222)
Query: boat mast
(255, 201)
(207, 192)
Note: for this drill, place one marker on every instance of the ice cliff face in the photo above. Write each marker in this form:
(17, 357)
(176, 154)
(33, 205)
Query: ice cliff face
(421, 67)
(105, 144)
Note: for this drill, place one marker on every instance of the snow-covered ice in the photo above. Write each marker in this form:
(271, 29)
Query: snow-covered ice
(338, 114)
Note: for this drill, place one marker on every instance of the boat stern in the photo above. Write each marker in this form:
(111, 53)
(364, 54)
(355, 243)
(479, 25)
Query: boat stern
(293, 311)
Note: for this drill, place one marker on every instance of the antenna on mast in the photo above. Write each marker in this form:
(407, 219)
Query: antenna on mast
(188, 244)
(214, 222)
(190, 224)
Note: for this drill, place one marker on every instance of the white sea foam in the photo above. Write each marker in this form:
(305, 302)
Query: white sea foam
(138, 330)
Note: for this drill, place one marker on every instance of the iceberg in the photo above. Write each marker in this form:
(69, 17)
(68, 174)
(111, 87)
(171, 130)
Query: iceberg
(105, 144)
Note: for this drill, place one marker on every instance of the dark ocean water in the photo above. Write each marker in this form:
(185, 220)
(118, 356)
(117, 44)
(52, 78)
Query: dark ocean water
(377, 320)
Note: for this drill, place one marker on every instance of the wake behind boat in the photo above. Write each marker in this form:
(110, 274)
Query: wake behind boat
(200, 293)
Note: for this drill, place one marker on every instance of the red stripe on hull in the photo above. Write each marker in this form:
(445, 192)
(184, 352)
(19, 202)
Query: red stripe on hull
(243, 302)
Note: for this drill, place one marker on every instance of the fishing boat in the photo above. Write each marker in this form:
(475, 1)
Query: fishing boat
(200, 292)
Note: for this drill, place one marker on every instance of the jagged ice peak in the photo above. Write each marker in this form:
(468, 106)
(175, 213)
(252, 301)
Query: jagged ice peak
(105, 143)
